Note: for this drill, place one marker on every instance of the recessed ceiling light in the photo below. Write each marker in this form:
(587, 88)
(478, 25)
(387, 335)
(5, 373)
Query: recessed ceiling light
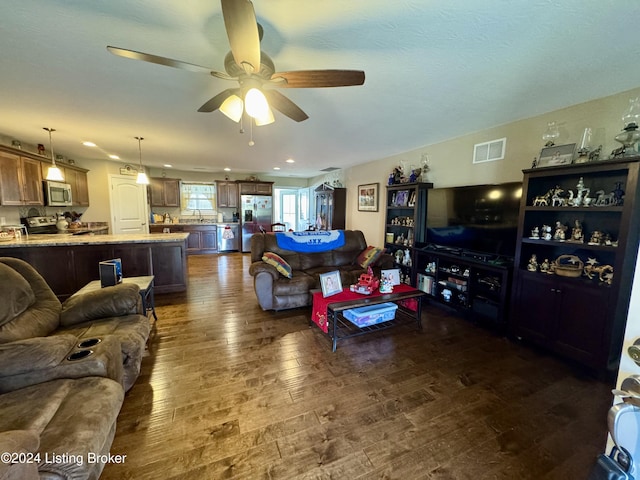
(114, 157)
(276, 168)
(167, 165)
(89, 144)
(290, 160)
(227, 169)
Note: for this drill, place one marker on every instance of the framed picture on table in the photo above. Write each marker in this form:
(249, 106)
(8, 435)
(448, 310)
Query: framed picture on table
(368, 197)
(330, 283)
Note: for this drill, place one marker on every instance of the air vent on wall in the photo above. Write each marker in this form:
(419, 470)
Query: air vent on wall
(489, 151)
(329, 169)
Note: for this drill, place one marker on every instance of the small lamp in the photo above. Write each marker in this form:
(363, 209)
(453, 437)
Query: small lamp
(142, 177)
(550, 134)
(53, 173)
(630, 134)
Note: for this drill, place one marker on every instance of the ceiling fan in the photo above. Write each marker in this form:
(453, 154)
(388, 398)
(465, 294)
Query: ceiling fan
(253, 70)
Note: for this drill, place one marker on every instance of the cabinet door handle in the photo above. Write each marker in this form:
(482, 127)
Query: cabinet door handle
(553, 290)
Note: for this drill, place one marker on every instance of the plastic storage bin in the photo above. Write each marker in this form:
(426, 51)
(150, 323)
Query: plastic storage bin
(372, 314)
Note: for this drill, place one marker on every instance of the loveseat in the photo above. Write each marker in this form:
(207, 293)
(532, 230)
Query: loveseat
(64, 369)
(283, 278)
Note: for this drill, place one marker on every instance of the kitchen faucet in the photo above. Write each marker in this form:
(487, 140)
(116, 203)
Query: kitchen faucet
(200, 219)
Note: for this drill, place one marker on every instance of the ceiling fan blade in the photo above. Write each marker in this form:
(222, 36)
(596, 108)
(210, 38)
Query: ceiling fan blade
(168, 62)
(319, 78)
(283, 104)
(242, 30)
(215, 102)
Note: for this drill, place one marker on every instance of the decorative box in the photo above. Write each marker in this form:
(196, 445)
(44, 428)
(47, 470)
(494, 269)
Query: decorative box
(372, 314)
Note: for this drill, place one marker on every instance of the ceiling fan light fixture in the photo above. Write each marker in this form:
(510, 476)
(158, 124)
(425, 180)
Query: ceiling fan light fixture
(142, 178)
(267, 119)
(53, 173)
(256, 104)
(233, 107)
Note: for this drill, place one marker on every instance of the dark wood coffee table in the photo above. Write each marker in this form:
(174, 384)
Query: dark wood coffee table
(339, 328)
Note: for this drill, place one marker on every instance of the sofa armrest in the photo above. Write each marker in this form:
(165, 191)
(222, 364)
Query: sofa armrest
(385, 261)
(19, 442)
(37, 360)
(261, 267)
(116, 301)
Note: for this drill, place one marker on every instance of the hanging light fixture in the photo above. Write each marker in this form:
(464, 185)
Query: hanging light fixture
(255, 104)
(142, 177)
(54, 173)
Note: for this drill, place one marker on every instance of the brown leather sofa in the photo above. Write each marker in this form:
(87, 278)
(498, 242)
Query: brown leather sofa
(58, 402)
(276, 292)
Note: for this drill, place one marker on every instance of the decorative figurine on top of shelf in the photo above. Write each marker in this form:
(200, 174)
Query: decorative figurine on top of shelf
(424, 168)
(545, 266)
(560, 233)
(577, 235)
(407, 258)
(532, 266)
(413, 177)
(594, 156)
(596, 238)
(604, 272)
(534, 163)
(535, 233)
(546, 232)
(391, 179)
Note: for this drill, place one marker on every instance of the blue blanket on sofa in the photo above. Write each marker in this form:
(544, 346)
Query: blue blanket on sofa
(310, 242)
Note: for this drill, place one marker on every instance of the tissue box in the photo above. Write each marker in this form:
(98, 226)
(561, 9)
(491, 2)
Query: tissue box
(371, 314)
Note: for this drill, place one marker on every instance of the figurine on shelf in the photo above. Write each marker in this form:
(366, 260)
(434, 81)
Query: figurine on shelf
(407, 258)
(545, 266)
(399, 254)
(618, 194)
(385, 285)
(577, 236)
(596, 238)
(559, 234)
(546, 232)
(413, 177)
(535, 233)
(532, 266)
(604, 272)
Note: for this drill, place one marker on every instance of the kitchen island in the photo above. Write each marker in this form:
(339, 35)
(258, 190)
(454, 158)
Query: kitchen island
(68, 262)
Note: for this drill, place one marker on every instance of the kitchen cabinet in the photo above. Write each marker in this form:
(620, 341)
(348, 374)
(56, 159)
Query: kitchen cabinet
(255, 188)
(573, 315)
(406, 222)
(79, 186)
(202, 237)
(20, 180)
(227, 193)
(164, 192)
(331, 207)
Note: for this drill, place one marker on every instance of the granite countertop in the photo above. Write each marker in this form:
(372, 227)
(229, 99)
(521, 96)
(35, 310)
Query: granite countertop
(199, 224)
(70, 239)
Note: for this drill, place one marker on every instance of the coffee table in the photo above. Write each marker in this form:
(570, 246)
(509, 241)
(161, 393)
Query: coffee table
(339, 328)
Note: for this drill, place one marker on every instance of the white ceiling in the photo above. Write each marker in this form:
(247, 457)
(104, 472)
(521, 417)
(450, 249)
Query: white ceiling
(434, 70)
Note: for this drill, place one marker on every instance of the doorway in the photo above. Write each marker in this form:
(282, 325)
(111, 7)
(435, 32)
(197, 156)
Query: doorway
(128, 201)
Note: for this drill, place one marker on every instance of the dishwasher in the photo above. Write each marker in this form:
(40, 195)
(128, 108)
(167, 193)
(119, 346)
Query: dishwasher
(228, 239)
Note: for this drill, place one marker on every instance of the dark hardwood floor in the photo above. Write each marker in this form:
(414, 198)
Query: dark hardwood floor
(230, 391)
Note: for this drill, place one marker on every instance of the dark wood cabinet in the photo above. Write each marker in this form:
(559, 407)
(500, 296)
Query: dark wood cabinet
(331, 207)
(406, 223)
(477, 289)
(164, 192)
(203, 238)
(20, 180)
(255, 188)
(227, 193)
(79, 185)
(578, 317)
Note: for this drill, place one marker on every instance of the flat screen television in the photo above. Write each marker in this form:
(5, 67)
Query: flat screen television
(477, 218)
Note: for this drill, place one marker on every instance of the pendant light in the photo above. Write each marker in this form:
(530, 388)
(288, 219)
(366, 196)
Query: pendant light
(142, 177)
(54, 173)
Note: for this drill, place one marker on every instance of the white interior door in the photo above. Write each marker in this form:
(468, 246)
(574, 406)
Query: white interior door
(128, 205)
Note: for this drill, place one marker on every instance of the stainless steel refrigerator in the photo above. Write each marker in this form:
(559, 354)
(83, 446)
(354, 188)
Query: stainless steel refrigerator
(255, 213)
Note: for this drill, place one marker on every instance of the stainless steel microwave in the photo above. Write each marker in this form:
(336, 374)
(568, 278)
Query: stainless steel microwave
(57, 194)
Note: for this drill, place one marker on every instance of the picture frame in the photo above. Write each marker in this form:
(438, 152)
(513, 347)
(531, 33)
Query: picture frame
(330, 283)
(556, 155)
(402, 198)
(368, 197)
(393, 274)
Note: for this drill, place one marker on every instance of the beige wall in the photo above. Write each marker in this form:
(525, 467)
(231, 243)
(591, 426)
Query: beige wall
(451, 161)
